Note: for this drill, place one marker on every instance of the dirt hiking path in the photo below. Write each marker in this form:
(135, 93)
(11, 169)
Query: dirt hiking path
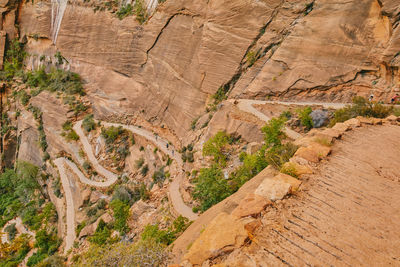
(348, 213)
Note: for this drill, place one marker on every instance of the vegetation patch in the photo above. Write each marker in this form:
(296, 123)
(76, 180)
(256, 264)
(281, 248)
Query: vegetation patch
(361, 107)
(211, 185)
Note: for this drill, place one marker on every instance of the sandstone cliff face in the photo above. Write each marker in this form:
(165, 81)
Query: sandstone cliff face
(163, 70)
(166, 69)
(338, 50)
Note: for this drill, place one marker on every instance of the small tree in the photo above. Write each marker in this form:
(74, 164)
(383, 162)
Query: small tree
(211, 187)
(305, 118)
(273, 132)
(216, 147)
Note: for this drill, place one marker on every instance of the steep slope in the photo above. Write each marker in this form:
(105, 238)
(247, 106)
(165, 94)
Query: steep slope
(346, 213)
(187, 50)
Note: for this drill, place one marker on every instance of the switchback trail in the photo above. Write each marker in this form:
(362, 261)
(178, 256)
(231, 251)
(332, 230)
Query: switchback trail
(181, 208)
(247, 105)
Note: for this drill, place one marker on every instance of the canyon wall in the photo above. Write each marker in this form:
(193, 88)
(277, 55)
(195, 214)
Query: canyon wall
(166, 69)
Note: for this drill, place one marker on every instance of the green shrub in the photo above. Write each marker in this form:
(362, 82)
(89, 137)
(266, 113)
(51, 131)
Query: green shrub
(72, 135)
(144, 170)
(305, 118)
(86, 166)
(140, 11)
(279, 155)
(102, 234)
(79, 227)
(193, 124)
(273, 132)
(159, 176)
(11, 231)
(88, 123)
(125, 11)
(211, 187)
(24, 97)
(251, 58)
(121, 214)
(123, 194)
(216, 147)
(111, 134)
(13, 62)
(361, 107)
(139, 163)
(152, 232)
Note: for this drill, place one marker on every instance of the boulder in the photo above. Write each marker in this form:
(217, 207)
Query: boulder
(364, 120)
(223, 234)
(333, 133)
(303, 141)
(300, 170)
(341, 127)
(139, 208)
(377, 121)
(294, 183)
(321, 150)
(308, 154)
(319, 118)
(90, 229)
(251, 205)
(353, 123)
(273, 189)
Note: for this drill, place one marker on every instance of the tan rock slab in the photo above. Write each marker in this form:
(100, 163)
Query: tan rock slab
(300, 170)
(353, 123)
(377, 121)
(341, 127)
(295, 183)
(250, 206)
(308, 154)
(303, 141)
(273, 189)
(224, 233)
(364, 120)
(332, 133)
(321, 150)
(252, 226)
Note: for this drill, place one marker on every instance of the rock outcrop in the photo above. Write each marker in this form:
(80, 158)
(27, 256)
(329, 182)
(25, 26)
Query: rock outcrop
(187, 50)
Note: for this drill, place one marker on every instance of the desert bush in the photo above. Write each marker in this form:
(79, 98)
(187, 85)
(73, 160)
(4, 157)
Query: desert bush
(159, 176)
(289, 169)
(216, 147)
(140, 11)
(273, 132)
(124, 11)
(144, 170)
(88, 123)
(139, 163)
(305, 118)
(111, 133)
(251, 57)
(361, 107)
(211, 187)
(11, 231)
(279, 155)
(121, 214)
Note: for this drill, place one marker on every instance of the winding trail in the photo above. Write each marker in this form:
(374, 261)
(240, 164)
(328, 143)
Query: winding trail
(247, 105)
(180, 207)
(70, 214)
(110, 177)
(21, 229)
